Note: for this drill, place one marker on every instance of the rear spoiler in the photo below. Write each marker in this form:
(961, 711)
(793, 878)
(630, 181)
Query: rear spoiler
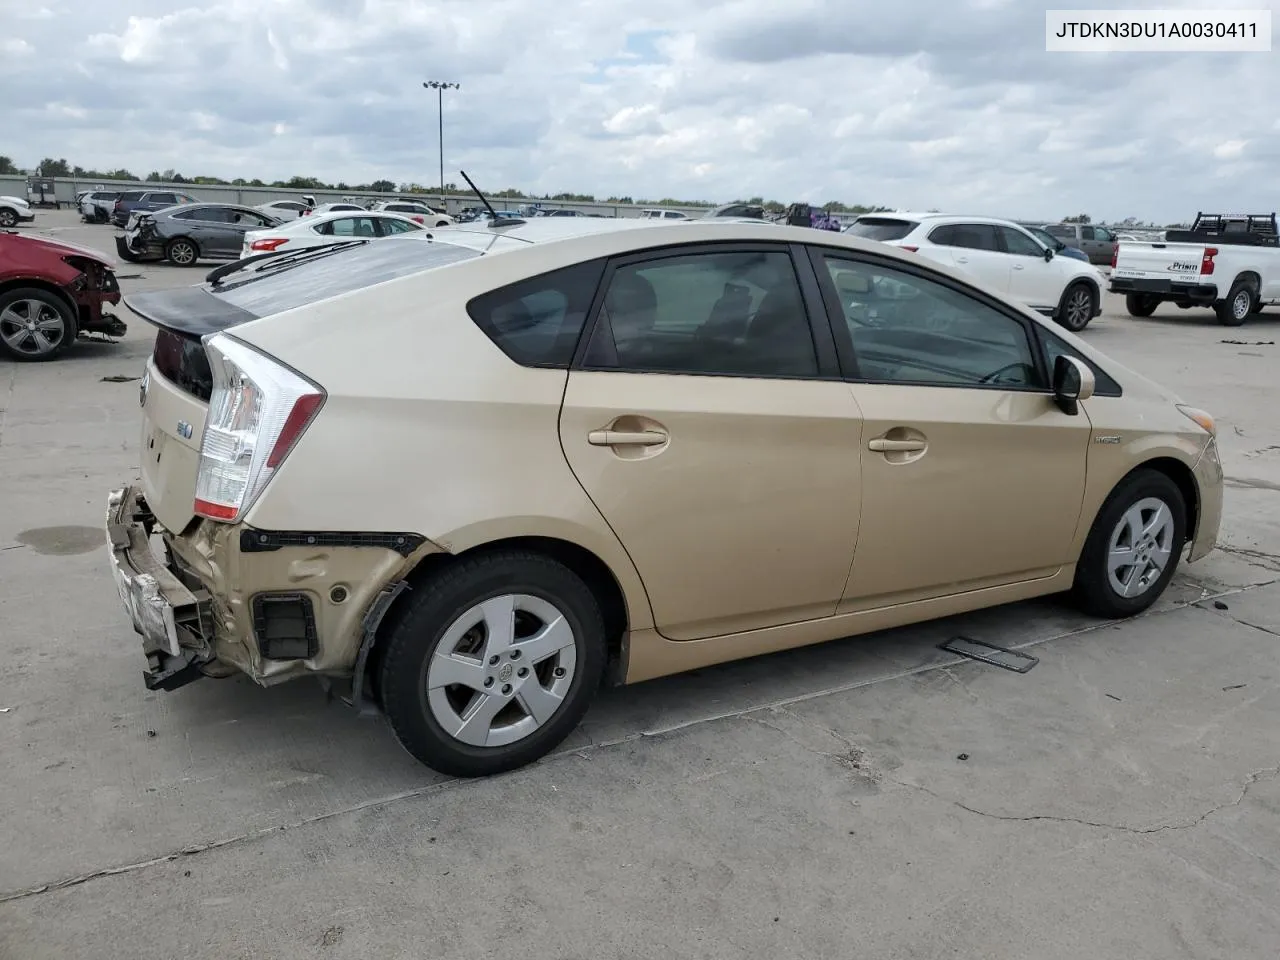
(190, 311)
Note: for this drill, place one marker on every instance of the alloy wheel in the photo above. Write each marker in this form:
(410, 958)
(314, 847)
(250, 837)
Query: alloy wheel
(1079, 308)
(32, 327)
(501, 671)
(1140, 547)
(182, 253)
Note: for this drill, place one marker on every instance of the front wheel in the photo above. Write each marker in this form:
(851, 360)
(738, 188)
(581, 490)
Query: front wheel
(35, 324)
(1133, 547)
(1140, 304)
(1076, 308)
(493, 663)
(1235, 309)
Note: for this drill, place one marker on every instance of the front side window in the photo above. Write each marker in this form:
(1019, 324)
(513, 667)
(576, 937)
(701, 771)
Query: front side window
(1019, 244)
(168, 198)
(348, 227)
(730, 313)
(971, 236)
(905, 328)
(392, 226)
(537, 322)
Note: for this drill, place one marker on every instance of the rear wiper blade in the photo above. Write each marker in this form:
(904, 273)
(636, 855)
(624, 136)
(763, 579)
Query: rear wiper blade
(215, 276)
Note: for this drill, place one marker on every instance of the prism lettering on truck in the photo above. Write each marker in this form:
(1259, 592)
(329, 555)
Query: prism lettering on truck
(1228, 262)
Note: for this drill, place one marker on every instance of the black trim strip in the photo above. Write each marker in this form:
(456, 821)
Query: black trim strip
(265, 541)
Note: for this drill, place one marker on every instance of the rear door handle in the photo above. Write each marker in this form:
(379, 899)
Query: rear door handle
(619, 438)
(881, 445)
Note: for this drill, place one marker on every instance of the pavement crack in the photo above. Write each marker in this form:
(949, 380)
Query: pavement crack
(1267, 773)
(1254, 558)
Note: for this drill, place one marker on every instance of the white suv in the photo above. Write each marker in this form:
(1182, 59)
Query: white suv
(999, 254)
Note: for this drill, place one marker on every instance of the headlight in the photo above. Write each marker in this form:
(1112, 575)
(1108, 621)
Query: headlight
(1200, 417)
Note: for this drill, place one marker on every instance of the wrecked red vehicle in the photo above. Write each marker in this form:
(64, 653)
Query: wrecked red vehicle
(51, 292)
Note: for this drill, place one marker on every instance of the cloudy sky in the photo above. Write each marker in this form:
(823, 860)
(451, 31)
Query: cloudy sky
(950, 104)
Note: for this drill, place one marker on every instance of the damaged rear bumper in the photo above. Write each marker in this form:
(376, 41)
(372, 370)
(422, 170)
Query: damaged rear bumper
(169, 616)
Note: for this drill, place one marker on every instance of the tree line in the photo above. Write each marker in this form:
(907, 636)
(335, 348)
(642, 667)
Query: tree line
(60, 168)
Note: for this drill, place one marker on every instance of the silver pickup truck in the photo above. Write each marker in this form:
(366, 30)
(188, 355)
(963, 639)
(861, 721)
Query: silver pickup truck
(1228, 262)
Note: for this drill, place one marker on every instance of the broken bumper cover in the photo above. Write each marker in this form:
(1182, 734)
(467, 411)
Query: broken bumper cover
(164, 611)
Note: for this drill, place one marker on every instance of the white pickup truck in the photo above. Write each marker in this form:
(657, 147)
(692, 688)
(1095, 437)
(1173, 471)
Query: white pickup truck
(1231, 263)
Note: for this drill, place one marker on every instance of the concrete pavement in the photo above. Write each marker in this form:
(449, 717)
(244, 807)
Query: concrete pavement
(871, 797)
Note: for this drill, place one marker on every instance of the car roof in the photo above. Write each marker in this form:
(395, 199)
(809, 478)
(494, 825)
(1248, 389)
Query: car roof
(177, 207)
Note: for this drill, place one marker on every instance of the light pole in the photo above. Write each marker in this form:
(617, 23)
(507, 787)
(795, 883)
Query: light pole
(440, 86)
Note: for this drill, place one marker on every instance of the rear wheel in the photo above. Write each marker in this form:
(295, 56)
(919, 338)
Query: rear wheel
(8, 218)
(1133, 548)
(1235, 309)
(1076, 308)
(182, 252)
(492, 663)
(1140, 304)
(35, 324)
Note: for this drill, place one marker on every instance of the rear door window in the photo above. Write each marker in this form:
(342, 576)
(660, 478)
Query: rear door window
(971, 236)
(166, 198)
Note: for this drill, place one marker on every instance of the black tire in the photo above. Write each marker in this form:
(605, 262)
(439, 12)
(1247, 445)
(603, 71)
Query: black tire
(27, 349)
(182, 252)
(8, 218)
(1239, 303)
(1140, 304)
(419, 629)
(1093, 590)
(1077, 306)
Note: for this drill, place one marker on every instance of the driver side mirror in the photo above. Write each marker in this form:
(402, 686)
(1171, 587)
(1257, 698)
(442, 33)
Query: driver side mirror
(1073, 381)
(1048, 254)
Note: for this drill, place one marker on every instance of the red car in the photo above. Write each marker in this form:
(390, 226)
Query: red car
(50, 293)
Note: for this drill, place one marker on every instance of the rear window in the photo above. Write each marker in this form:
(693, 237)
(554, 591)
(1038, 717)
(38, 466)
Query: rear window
(277, 286)
(537, 322)
(881, 228)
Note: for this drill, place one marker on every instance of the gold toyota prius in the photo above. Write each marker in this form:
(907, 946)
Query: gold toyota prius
(474, 473)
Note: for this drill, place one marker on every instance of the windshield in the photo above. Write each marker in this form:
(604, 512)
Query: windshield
(881, 228)
(262, 291)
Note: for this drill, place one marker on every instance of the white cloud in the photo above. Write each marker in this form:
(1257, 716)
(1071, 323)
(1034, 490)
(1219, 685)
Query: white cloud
(931, 103)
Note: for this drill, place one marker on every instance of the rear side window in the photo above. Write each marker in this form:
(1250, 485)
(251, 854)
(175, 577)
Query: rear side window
(971, 236)
(537, 322)
(881, 228)
(131, 196)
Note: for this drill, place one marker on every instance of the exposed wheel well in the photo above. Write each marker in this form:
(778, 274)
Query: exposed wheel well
(594, 572)
(1180, 474)
(1254, 280)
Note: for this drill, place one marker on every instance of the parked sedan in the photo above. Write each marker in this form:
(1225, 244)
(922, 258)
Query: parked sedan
(182, 235)
(285, 210)
(144, 201)
(585, 450)
(50, 293)
(417, 212)
(13, 211)
(326, 229)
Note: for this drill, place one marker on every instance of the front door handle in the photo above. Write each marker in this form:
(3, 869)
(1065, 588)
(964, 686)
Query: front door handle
(881, 445)
(962, 259)
(620, 438)
(1018, 266)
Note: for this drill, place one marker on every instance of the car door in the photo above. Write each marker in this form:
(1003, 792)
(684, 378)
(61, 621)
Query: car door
(1033, 280)
(715, 437)
(242, 222)
(974, 249)
(972, 476)
(210, 227)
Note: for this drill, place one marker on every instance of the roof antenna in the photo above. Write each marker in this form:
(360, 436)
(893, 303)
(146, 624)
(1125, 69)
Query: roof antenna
(494, 219)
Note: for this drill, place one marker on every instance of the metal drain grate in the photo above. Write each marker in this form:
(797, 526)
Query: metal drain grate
(1013, 660)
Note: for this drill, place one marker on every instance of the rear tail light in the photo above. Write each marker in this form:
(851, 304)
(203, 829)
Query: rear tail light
(1115, 255)
(417, 219)
(268, 245)
(1206, 264)
(258, 410)
(910, 249)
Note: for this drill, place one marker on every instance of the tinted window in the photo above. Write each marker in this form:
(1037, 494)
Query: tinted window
(881, 228)
(971, 236)
(1104, 386)
(131, 196)
(390, 226)
(1017, 242)
(290, 205)
(348, 227)
(207, 214)
(537, 322)
(905, 328)
(1086, 233)
(168, 198)
(274, 286)
(709, 313)
(1062, 231)
(1045, 237)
